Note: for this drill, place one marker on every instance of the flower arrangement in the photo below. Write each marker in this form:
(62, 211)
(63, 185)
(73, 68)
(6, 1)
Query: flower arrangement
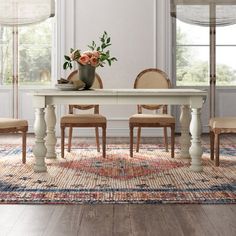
(96, 56)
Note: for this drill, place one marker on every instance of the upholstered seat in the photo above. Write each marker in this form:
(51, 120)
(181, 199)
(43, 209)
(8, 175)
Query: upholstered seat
(149, 79)
(83, 118)
(152, 118)
(73, 120)
(219, 125)
(9, 125)
(12, 123)
(223, 123)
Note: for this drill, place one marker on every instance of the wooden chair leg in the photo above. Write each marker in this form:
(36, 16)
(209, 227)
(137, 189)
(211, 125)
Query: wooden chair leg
(172, 141)
(24, 133)
(131, 143)
(97, 138)
(138, 139)
(166, 139)
(62, 141)
(217, 149)
(70, 138)
(104, 141)
(212, 137)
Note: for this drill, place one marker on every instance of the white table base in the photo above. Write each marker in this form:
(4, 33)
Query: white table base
(196, 150)
(51, 134)
(185, 118)
(39, 149)
(47, 148)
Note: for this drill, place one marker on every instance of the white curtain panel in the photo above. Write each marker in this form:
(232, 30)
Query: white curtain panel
(25, 12)
(205, 12)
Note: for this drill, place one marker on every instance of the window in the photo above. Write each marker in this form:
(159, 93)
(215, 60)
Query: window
(193, 53)
(225, 55)
(5, 55)
(35, 47)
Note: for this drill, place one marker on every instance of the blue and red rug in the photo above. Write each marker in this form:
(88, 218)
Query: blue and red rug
(85, 177)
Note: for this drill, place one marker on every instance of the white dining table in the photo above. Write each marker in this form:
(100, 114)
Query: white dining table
(190, 100)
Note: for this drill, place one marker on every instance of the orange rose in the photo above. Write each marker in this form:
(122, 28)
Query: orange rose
(94, 61)
(84, 59)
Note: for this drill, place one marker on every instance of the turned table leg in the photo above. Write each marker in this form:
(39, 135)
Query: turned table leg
(196, 148)
(39, 148)
(51, 134)
(185, 143)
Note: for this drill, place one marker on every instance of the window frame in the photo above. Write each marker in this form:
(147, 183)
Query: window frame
(174, 64)
(53, 62)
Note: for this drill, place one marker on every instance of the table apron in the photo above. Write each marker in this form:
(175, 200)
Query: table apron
(43, 101)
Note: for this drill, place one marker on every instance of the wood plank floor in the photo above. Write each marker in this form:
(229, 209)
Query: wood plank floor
(120, 220)
(115, 219)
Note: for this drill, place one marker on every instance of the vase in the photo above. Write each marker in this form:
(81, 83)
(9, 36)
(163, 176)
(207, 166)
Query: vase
(87, 75)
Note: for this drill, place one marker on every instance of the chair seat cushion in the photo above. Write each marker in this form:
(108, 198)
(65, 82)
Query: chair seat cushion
(83, 118)
(152, 118)
(6, 123)
(223, 123)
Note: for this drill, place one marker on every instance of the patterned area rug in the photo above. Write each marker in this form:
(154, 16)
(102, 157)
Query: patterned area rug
(85, 177)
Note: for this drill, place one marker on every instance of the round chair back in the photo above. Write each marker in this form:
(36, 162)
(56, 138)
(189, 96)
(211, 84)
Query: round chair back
(152, 79)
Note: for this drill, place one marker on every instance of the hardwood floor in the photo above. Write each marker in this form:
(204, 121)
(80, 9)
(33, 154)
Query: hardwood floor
(120, 220)
(117, 220)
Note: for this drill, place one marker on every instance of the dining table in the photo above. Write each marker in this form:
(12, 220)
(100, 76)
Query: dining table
(190, 101)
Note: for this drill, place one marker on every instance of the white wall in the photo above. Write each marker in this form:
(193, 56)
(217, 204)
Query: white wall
(140, 40)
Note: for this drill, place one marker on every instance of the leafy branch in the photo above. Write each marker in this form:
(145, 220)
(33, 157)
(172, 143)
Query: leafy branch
(74, 56)
(105, 42)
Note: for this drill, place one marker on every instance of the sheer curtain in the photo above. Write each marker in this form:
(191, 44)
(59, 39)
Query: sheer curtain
(24, 12)
(205, 12)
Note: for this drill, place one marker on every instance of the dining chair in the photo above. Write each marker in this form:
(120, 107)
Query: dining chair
(152, 79)
(73, 120)
(10, 125)
(218, 126)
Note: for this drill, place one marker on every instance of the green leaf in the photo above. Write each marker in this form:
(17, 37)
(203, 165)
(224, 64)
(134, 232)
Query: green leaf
(109, 40)
(91, 47)
(67, 58)
(71, 50)
(107, 45)
(98, 48)
(77, 54)
(65, 65)
(103, 57)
